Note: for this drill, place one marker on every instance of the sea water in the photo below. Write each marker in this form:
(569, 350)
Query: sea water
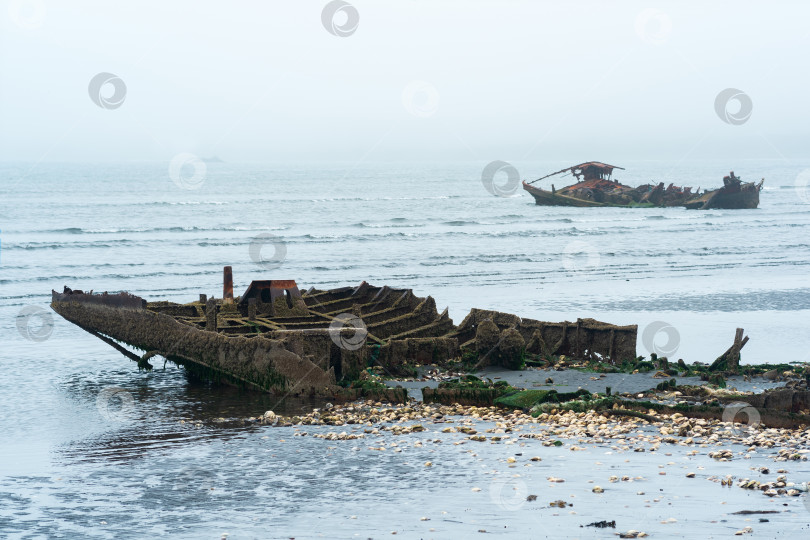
(71, 468)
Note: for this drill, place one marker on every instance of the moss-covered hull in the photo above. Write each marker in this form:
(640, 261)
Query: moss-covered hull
(279, 339)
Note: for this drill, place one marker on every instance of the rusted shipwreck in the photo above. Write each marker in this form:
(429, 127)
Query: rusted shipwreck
(735, 194)
(279, 338)
(596, 188)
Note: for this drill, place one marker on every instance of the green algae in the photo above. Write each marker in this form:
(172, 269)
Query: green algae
(526, 399)
(469, 390)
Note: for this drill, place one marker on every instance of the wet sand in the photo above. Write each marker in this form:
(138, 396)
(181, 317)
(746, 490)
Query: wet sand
(371, 478)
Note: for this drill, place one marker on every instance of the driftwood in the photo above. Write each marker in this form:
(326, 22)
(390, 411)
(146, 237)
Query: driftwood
(730, 360)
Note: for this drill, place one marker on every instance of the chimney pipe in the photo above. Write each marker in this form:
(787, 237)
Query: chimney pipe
(227, 285)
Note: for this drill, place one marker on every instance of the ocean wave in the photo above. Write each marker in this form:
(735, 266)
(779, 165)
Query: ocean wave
(364, 225)
(129, 230)
(480, 259)
(33, 246)
(372, 199)
(728, 302)
(66, 279)
(335, 268)
(460, 222)
(182, 203)
(382, 233)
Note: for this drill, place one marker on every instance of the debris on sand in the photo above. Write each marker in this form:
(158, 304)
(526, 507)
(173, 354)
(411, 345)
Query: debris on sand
(602, 524)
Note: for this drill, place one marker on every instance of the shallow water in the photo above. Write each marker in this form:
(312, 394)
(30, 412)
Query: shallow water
(76, 452)
(571, 380)
(265, 482)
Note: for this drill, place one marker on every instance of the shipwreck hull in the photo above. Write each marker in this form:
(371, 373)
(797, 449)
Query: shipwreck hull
(259, 362)
(549, 198)
(585, 339)
(279, 339)
(736, 201)
(619, 197)
(595, 188)
(747, 198)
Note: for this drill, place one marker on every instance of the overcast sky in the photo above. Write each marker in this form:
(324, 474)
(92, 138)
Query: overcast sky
(266, 81)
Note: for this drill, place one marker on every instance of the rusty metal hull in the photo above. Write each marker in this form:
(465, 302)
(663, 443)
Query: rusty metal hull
(619, 196)
(745, 196)
(596, 189)
(548, 198)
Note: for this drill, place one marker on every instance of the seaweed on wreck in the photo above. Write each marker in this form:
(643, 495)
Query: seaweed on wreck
(268, 379)
(365, 385)
(469, 360)
(374, 392)
(713, 373)
(715, 379)
(667, 385)
(471, 381)
(538, 360)
(526, 399)
(467, 390)
(574, 405)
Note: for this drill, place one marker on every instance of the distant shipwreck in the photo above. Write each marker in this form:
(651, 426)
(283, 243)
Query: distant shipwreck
(594, 187)
(280, 339)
